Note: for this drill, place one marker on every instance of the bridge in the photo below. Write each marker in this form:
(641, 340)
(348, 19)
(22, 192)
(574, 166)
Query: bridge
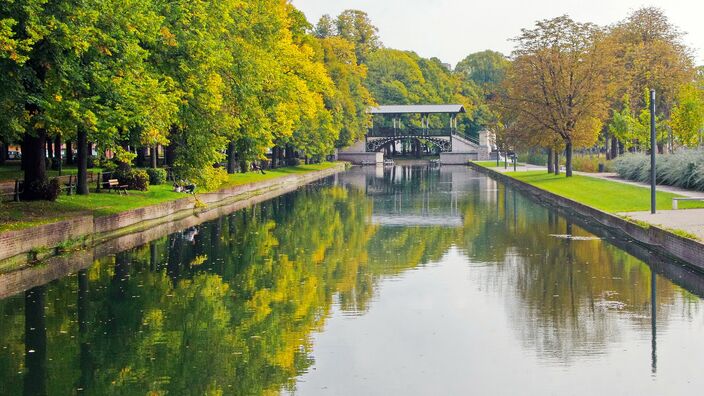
(417, 130)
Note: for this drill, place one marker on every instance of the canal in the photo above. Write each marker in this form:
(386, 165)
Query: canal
(397, 280)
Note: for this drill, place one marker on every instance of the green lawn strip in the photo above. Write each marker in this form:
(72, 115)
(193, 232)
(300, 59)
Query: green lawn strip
(238, 179)
(605, 195)
(492, 164)
(20, 215)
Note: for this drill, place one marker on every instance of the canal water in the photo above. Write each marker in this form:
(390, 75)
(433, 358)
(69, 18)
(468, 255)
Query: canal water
(378, 281)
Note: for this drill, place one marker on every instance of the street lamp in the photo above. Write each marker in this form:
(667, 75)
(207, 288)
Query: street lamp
(652, 151)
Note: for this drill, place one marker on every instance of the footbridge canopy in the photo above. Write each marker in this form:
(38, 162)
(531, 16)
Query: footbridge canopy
(417, 109)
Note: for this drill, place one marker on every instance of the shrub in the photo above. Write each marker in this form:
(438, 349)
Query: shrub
(137, 179)
(43, 189)
(534, 157)
(590, 163)
(156, 176)
(684, 169)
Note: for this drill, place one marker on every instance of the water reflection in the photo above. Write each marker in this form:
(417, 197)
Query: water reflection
(303, 291)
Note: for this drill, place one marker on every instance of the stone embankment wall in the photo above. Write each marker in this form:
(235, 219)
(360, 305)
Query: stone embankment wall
(90, 230)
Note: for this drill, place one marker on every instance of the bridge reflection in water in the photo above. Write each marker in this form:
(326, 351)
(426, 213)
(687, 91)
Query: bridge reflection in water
(420, 195)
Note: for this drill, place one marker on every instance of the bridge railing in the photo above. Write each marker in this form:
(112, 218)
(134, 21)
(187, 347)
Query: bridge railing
(467, 136)
(391, 132)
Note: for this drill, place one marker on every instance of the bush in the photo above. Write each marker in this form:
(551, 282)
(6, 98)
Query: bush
(590, 163)
(137, 179)
(534, 157)
(43, 190)
(684, 169)
(156, 176)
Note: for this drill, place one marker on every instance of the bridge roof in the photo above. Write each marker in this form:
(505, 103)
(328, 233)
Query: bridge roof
(418, 109)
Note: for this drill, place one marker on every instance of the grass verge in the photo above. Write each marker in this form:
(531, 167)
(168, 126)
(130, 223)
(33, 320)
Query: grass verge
(605, 195)
(20, 215)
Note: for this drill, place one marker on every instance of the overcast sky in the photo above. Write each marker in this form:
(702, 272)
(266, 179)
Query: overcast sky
(452, 29)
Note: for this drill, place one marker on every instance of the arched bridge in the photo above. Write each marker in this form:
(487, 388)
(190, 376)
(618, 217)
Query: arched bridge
(391, 135)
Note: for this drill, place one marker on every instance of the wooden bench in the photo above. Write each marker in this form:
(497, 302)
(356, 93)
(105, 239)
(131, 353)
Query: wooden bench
(675, 201)
(70, 185)
(114, 185)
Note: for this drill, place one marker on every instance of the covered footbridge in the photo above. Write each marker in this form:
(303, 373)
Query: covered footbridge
(417, 130)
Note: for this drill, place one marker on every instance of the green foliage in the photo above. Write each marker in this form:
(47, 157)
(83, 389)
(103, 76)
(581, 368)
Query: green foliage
(47, 190)
(687, 120)
(156, 176)
(684, 169)
(590, 163)
(137, 179)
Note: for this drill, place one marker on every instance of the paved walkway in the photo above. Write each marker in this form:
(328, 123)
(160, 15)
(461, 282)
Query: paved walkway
(689, 220)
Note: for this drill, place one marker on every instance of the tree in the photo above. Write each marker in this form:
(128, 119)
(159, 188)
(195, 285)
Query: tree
(325, 27)
(649, 54)
(487, 69)
(688, 116)
(559, 81)
(482, 74)
(356, 27)
(351, 98)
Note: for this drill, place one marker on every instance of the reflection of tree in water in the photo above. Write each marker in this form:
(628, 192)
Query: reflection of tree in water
(231, 308)
(566, 298)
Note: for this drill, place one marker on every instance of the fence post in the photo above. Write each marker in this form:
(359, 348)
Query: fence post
(17, 190)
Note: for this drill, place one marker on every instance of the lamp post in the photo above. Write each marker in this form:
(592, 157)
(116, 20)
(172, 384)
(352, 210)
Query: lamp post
(653, 147)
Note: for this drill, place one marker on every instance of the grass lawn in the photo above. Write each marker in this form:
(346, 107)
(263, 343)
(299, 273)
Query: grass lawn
(492, 164)
(606, 195)
(19, 215)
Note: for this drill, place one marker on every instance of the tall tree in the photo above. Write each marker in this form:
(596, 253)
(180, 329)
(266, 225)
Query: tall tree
(356, 27)
(559, 81)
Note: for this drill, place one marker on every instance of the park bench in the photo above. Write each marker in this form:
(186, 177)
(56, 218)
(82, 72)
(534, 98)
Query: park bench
(70, 185)
(368, 163)
(14, 193)
(114, 185)
(675, 201)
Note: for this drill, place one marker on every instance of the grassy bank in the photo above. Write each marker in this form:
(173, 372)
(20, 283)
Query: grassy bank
(20, 215)
(605, 195)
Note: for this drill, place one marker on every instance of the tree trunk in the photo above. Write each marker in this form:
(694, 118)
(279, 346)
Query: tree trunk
(231, 160)
(614, 147)
(35, 165)
(49, 148)
(170, 154)
(56, 164)
(551, 168)
(23, 160)
(154, 156)
(141, 159)
(557, 162)
(3, 153)
(568, 159)
(82, 159)
(69, 152)
(275, 156)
